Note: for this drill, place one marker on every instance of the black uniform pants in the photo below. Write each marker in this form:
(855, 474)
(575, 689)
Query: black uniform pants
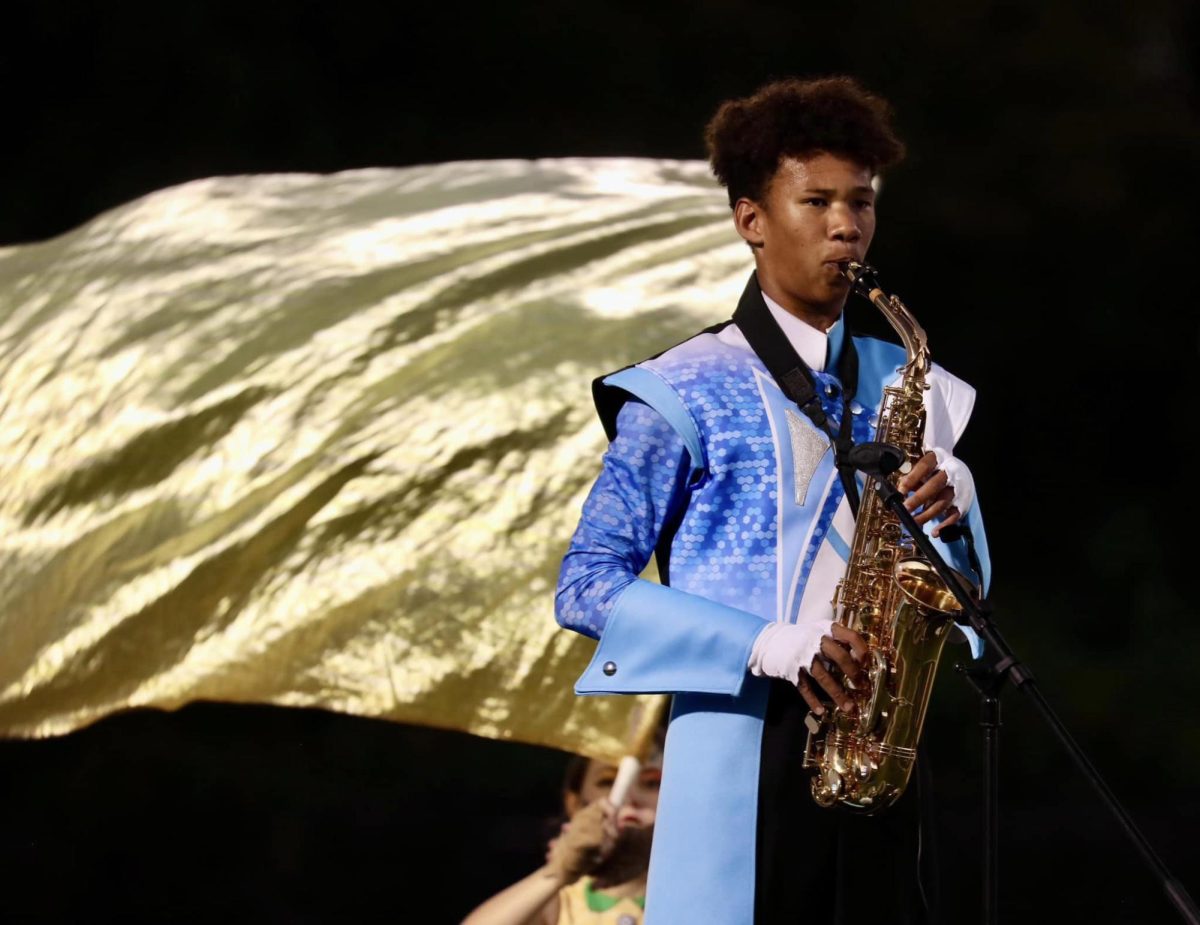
(826, 866)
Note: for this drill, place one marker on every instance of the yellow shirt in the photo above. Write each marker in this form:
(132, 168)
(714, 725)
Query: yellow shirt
(579, 904)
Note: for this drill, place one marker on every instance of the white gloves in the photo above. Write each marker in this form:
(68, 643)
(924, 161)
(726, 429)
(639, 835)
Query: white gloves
(782, 650)
(958, 476)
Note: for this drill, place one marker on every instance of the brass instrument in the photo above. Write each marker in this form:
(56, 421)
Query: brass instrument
(892, 597)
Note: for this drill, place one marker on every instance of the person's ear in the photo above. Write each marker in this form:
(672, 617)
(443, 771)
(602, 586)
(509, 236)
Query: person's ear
(572, 802)
(748, 220)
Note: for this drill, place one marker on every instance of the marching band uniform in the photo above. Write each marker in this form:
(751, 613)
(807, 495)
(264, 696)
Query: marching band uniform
(713, 468)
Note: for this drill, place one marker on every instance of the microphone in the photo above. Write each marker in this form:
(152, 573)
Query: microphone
(877, 459)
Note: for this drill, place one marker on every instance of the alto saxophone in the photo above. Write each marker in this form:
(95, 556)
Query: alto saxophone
(894, 599)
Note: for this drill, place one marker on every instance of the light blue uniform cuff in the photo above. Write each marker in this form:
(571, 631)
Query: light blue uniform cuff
(661, 640)
(956, 554)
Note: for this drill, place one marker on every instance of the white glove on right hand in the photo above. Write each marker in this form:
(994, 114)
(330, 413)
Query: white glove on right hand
(958, 477)
(783, 650)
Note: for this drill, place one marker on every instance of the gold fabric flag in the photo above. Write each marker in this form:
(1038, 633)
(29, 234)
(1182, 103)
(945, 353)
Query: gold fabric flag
(322, 440)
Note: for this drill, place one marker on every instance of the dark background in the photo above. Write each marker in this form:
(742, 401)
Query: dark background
(1042, 229)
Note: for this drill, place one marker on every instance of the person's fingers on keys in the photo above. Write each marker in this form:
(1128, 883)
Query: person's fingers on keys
(809, 695)
(920, 471)
(858, 645)
(840, 655)
(928, 491)
(943, 502)
(953, 516)
(830, 685)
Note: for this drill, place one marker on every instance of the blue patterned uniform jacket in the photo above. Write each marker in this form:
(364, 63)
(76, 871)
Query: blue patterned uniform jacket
(712, 467)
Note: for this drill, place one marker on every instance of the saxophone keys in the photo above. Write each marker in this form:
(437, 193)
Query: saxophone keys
(822, 795)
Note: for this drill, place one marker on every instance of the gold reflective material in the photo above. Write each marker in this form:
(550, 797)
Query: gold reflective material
(892, 596)
(321, 440)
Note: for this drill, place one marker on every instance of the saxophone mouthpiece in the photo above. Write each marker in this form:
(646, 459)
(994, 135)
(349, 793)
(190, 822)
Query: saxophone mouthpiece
(861, 276)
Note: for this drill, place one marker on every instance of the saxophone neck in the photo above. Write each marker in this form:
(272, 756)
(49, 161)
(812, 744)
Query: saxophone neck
(916, 347)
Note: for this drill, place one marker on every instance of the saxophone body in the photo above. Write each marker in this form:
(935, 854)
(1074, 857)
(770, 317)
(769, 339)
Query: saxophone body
(894, 599)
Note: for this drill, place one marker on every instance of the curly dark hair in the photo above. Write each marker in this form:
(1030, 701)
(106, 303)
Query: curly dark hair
(748, 138)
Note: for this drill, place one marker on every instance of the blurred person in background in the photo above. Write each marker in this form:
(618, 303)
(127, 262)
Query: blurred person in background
(595, 870)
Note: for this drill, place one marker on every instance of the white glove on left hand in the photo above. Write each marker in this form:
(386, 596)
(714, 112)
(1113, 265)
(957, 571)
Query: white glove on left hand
(783, 650)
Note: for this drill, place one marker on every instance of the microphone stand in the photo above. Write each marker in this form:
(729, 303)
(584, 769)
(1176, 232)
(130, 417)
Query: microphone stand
(989, 681)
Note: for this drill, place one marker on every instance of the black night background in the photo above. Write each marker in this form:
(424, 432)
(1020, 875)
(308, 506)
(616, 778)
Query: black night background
(1043, 229)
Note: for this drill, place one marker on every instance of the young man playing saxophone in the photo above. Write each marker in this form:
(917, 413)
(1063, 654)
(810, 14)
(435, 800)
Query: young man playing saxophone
(713, 468)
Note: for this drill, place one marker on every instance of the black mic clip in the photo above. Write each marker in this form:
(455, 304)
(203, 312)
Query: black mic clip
(876, 459)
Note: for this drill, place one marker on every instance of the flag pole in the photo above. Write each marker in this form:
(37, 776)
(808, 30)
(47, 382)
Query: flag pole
(639, 749)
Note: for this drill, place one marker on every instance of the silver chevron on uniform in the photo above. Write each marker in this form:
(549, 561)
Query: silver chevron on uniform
(808, 446)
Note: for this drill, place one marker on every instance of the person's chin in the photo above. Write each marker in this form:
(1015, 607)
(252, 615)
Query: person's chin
(835, 290)
(828, 299)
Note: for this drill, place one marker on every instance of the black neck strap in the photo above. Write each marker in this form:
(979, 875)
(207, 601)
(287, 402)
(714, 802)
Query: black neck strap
(795, 379)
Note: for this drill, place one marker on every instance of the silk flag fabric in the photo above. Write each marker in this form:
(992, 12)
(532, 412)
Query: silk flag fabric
(321, 440)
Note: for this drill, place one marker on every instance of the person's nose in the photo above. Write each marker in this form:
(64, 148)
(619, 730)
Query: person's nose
(843, 224)
(640, 796)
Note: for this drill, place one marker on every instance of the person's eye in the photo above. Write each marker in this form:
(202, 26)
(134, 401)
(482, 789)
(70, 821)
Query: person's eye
(818, 201)
(865, 204)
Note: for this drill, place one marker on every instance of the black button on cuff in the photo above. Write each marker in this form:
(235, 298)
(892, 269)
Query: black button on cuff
(610, 668)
